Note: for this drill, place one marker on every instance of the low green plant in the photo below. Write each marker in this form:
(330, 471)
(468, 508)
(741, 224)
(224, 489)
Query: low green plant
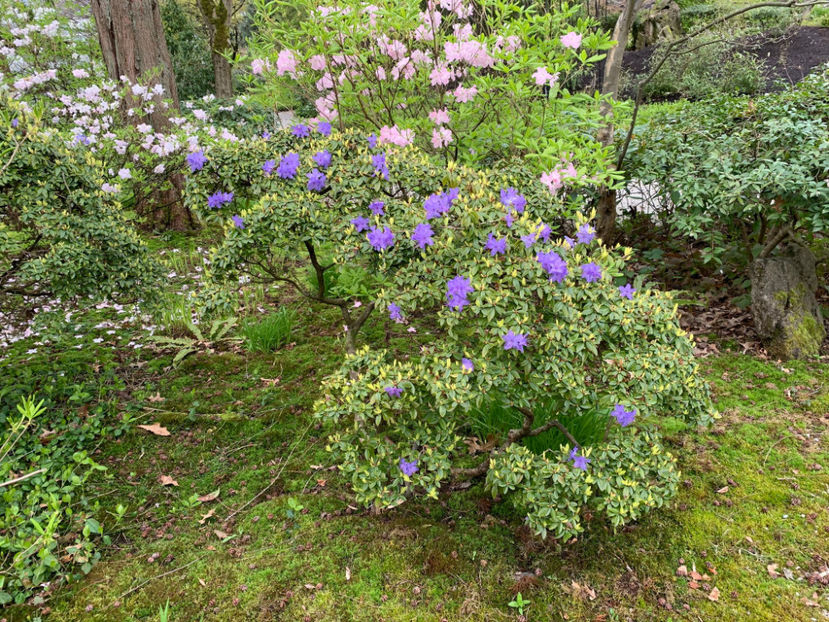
(47, 529)
(519, 603)
(164, 612)
(270, 332)
(199, 342)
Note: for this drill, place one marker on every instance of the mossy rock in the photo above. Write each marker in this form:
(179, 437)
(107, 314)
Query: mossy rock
(786, 313)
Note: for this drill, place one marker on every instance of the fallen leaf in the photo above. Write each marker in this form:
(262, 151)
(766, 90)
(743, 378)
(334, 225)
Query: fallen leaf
(347, 573)
(166, 480)
(714, 596)
(321, 483)
(722, 490)
(772, 570)
(693, 585)
(210, 496)
(696, 576)
(203, 584)
(206, 516)
(156, 398)
(810, 602)
(788, 574)
(156, 428)
(682, 571)
(582, 592)
(220, 534)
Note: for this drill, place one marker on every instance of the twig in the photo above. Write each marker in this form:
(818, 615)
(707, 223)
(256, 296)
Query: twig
(22, 477)
(169, 572)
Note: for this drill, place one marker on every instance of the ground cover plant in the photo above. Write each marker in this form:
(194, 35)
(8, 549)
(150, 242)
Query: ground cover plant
(374, 362)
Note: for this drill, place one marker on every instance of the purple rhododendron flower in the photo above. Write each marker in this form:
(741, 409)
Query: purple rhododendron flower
(266, 134)
(372, 141)
(323, 158)
(380, 239)
(591, 272)
(545, 232)
(528, 239)
(555, 266)
(422, 234)
(511, 198)
(514, 341)
(301, 130)
(288, 166)
(585, 234)
(238, 222)
(394, 391)
(467, 365)
(509, 219)
(82, 139)
(268, 166)
(15, 122)
(569, 241)
(580, 462)
(408, 468)
(324, 128)
(627, 291)
(196, 161)
(316, 180)
(360, 223)
(440, 202)
(623, 417)
(219, 198)
(495, 245)
(457, 290)
(376, 207)
(395, 313)
(378, 161)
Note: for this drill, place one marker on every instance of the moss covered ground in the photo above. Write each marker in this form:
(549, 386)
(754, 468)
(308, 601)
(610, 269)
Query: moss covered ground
(747, 538)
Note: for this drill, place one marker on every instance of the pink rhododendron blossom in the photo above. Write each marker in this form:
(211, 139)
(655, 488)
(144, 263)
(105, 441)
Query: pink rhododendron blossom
(395, 136)
(325, 82)
(441, 136)
(542, 76)
(286, 63)
(405, 67)
(380, 73)
(439, 117)
(317, 62)
(470, 52)
(552, 180)
(394, 49)
(420, 57)
(430, 23)
(571, 40)
(441, 75)
(463, 94)
(257, 66)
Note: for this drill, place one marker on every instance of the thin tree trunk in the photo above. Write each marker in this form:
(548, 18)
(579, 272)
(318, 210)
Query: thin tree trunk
(133, 45)
(217, 14)
(606, 207)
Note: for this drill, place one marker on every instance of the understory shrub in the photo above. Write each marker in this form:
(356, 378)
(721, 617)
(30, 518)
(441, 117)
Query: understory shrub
(60, 233)
(270, 332)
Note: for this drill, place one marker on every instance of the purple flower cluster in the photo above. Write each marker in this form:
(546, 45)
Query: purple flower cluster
(529, 239)
(627, 291)
(585, 234)
(15, 122)
(196, 161)
(360, 223)
(268, 166)
(395, 313)
(554, 265)
(376, 207)
(238, 222)
(580, 462)
(218, 199)
(408, 468)
(623, 417)
(323, 158)
(514, 341)
(301, 130)
(378, 161)
(467, 365)
(316, 180)
(591, 272)
(457, 290)
(439, 203)
(324, 128)
(288, 166)
(422, 234)
(511, 198)
(496, 246)
(393, 391)
(380, 239)
(372, 141)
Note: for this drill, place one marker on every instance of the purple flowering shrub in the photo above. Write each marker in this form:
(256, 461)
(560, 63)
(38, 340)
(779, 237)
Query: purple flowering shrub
(543, 319)
(474, 82)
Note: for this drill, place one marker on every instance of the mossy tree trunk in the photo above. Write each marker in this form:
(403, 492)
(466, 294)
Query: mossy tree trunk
(217, 14)
(133, 45)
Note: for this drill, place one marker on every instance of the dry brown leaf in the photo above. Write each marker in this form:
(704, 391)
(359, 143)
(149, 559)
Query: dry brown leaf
(206, 516)
(220, 534)
(682, 571)
(156, 398)
(212, 496)
(810, 602)
(772, 570)
(166, 480)
(714, 596)
(693, 585)
(347, 573)
(695, 575)
(202, 583)
(156, 428)
(582, 592)
(722, 490)
(321, 482)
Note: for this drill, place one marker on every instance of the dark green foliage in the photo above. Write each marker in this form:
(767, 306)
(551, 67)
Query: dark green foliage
(270, 332)
(189, 49)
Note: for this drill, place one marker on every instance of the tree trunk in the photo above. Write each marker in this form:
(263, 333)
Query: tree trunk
(133, 45)
(217, 14)
(606, 207)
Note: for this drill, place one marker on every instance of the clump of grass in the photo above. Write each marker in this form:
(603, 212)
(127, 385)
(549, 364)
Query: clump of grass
(270, 332)
(587, 427)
